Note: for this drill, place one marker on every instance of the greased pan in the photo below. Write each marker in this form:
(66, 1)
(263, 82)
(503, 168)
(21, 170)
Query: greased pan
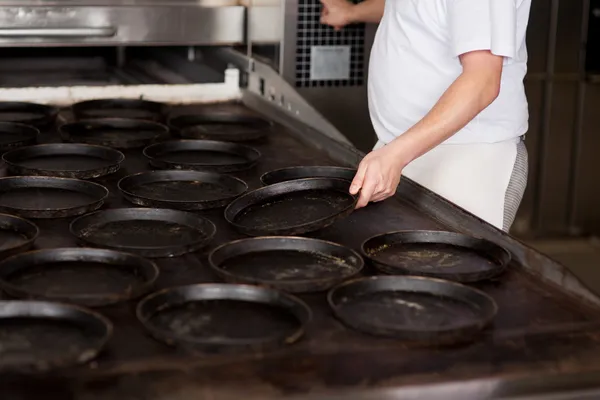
(38, 115)
(65, 160)
(148, 232)
(293, 173)
(16, 235)
(202, 155)
(49, 197)
(42, 336)
(221, 316)
(415, 309)
(292, 264)
(120, 108)
(291, 208)
(14, 135)
(225, 127)
(88, 277)
(181, 190)
(439, 254)
(119, 133)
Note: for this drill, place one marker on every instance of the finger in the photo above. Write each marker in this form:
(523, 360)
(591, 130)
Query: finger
(359, 178)
(366, 193)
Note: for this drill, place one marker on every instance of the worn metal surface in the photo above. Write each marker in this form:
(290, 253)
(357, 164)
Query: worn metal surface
(548, 322)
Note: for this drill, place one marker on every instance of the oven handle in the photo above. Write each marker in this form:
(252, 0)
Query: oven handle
(90, 32)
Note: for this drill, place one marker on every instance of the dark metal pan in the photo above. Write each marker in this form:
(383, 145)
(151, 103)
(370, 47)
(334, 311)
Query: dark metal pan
(181, 190)
(415, 309)
(40, 336)
(225, 127)
(218, 316)
(88, 277)
(120, 108)
(65, 160)
(148, 232)
(16, 235)
(38, 115)
(438, 254)
(292, 264)
(14, 135)
(49, 197)
(202, 155)
(119, 133)
(293, 173)
(291, 208)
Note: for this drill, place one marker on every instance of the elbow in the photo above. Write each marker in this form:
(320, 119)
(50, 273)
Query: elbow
(490, 90)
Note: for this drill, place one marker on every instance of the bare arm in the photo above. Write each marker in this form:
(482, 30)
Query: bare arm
(475, 89)
(339, 13)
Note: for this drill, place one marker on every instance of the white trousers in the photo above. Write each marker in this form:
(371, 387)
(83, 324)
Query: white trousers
(488, 180)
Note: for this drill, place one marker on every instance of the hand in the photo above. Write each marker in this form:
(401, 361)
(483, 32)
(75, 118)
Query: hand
(378, 175)
(336, 13)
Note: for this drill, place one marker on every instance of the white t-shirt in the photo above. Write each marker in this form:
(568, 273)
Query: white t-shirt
(414, 60)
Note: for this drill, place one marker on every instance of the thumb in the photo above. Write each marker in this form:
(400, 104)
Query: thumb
(358, 180)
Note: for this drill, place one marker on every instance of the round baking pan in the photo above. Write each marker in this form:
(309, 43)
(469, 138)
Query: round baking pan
(292, 264)
(202, 155)
(217, 316)
(38, 115)
(181, 190)
(88, 277)
(147, 232)
(293, 173)
(439, 254)
(416, 309)
(14, 135)
(42, 336)
(120, 108)
(49, 197)
(291, 208)
(225, 127)
(119, 133)
(65, 160)
(16, 235)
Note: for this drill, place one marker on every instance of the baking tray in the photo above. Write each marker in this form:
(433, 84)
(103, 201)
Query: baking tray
(292, 264)
(302, 172)
(43, 336)
(225, 127)
(16, 235)
(181, 190)
(120, 108)
(83, 276)
(221, 316)
(202, 155)
(416, 309)
(291, 208)
(439, 254)
(13, 135)
(49, 197)
(38, 115)
(119, 133)
(148, 232)
(65, 160)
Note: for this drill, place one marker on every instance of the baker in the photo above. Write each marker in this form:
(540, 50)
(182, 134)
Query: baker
(446, 99)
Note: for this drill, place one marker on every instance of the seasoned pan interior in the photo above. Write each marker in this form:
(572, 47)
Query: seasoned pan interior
(302, 172)
(120, 108)
(37, 115)
(16, 234)
(13, 135)
(224, 127)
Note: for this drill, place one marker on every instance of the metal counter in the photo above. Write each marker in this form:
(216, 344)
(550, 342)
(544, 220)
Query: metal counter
(548, 323)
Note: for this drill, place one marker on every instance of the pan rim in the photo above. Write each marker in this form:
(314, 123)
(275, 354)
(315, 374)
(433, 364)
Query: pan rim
(230, 218)
(166, 335)
(500, 265)
(178, 171)
(56, 178)
(95, 253)
(249, 281)
(158, 109)
(29, 240)
(48, 112)
(482, 322)
(263, 177)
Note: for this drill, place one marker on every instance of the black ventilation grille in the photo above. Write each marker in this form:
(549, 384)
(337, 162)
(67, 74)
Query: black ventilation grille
(310, 33)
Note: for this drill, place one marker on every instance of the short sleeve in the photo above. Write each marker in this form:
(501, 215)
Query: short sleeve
(483, 25)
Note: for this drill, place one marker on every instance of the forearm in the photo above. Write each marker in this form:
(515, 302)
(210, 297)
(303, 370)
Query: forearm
(370, 11)
(470, 94)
